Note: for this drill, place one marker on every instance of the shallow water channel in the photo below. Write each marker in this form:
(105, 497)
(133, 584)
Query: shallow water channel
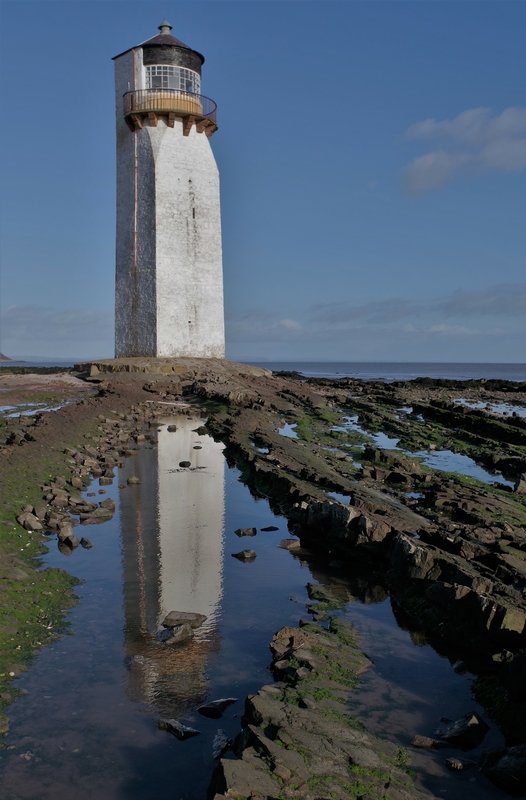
(86, 726)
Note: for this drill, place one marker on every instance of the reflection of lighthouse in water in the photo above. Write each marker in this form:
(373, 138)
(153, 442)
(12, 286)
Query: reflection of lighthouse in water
(172, 533)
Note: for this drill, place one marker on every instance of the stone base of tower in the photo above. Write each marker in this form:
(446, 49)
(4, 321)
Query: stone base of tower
(172, 366)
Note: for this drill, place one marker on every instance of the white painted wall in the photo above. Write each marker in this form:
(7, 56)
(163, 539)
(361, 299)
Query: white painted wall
(169, 280)
(188, 245)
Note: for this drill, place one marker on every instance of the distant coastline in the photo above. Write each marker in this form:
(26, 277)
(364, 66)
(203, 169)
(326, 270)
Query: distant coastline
(400, 371)
(364, 370)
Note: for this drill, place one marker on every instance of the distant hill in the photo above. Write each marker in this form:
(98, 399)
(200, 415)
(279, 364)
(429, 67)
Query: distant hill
(4, 358)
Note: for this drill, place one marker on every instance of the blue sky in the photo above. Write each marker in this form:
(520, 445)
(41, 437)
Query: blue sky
(373, 170)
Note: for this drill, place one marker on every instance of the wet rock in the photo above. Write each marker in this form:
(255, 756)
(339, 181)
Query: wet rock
(185, 464)
(97, 516)
(105, 480)
(245, 555)
(179, 634)
(171, 428)
(177, 728)
(424, 742)
(65, 549)
(466, 732)
(176, 618)
(133, 480)
(507, 769)
(220, 745)
(290, 544)
(454, 764)
(108, 503)
(270, 528)
(215, 708)
(86, 543)
(67, 537)
(245, 532)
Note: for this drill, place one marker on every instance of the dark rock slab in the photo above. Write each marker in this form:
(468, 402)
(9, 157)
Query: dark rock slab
(466, 732)
(221, 744)
(507, 769)
(177, 728)
(215, 708)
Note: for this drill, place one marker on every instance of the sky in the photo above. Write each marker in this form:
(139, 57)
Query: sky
(373, 174)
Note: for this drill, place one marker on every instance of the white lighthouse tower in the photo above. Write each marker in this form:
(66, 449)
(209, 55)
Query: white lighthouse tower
(169, 278)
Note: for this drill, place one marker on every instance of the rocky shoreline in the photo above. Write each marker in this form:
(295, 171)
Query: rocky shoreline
(451, 550)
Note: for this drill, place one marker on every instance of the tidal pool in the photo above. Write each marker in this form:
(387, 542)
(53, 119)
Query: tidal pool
(86, 726)
(288, 430)
(441, 460)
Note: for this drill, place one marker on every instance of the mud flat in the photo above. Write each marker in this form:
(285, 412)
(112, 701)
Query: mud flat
(450, 549)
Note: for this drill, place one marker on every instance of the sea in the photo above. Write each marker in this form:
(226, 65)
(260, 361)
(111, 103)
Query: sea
(399, 371)
(365, 370)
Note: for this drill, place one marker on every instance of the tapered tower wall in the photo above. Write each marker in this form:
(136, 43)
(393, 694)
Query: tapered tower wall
(169, 281)
(188, 244)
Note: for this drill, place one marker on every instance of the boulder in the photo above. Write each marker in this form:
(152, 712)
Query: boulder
(466, 732)
(86, 543)
(245, 555)
(410, 558)
(29, 521)
(215, 708)
(245, 532)
(185, 464)
(178, 634)
(424, 742)
(176, 618)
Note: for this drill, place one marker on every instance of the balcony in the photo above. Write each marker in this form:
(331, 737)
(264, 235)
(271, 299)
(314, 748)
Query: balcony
(150, 104)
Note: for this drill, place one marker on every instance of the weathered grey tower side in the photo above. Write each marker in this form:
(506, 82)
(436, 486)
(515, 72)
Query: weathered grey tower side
(169, 275)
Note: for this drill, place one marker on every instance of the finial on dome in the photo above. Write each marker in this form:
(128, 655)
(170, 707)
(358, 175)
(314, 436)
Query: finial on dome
(165, 27)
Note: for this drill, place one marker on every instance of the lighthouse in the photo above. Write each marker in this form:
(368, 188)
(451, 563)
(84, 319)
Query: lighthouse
(169, 275)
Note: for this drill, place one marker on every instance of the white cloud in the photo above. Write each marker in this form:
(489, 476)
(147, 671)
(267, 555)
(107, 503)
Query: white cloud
(504, 299)
(474, 141)
(256, 325)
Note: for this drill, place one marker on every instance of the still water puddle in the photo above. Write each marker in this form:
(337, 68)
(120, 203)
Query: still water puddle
(288, 430)
(87, 727)
(27, 409)
(441, 460)
(501, 409)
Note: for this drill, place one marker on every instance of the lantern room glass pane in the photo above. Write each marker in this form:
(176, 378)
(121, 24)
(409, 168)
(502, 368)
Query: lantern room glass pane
(165, 76)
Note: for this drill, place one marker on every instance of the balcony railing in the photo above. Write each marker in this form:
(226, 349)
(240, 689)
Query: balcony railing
(166, 101)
